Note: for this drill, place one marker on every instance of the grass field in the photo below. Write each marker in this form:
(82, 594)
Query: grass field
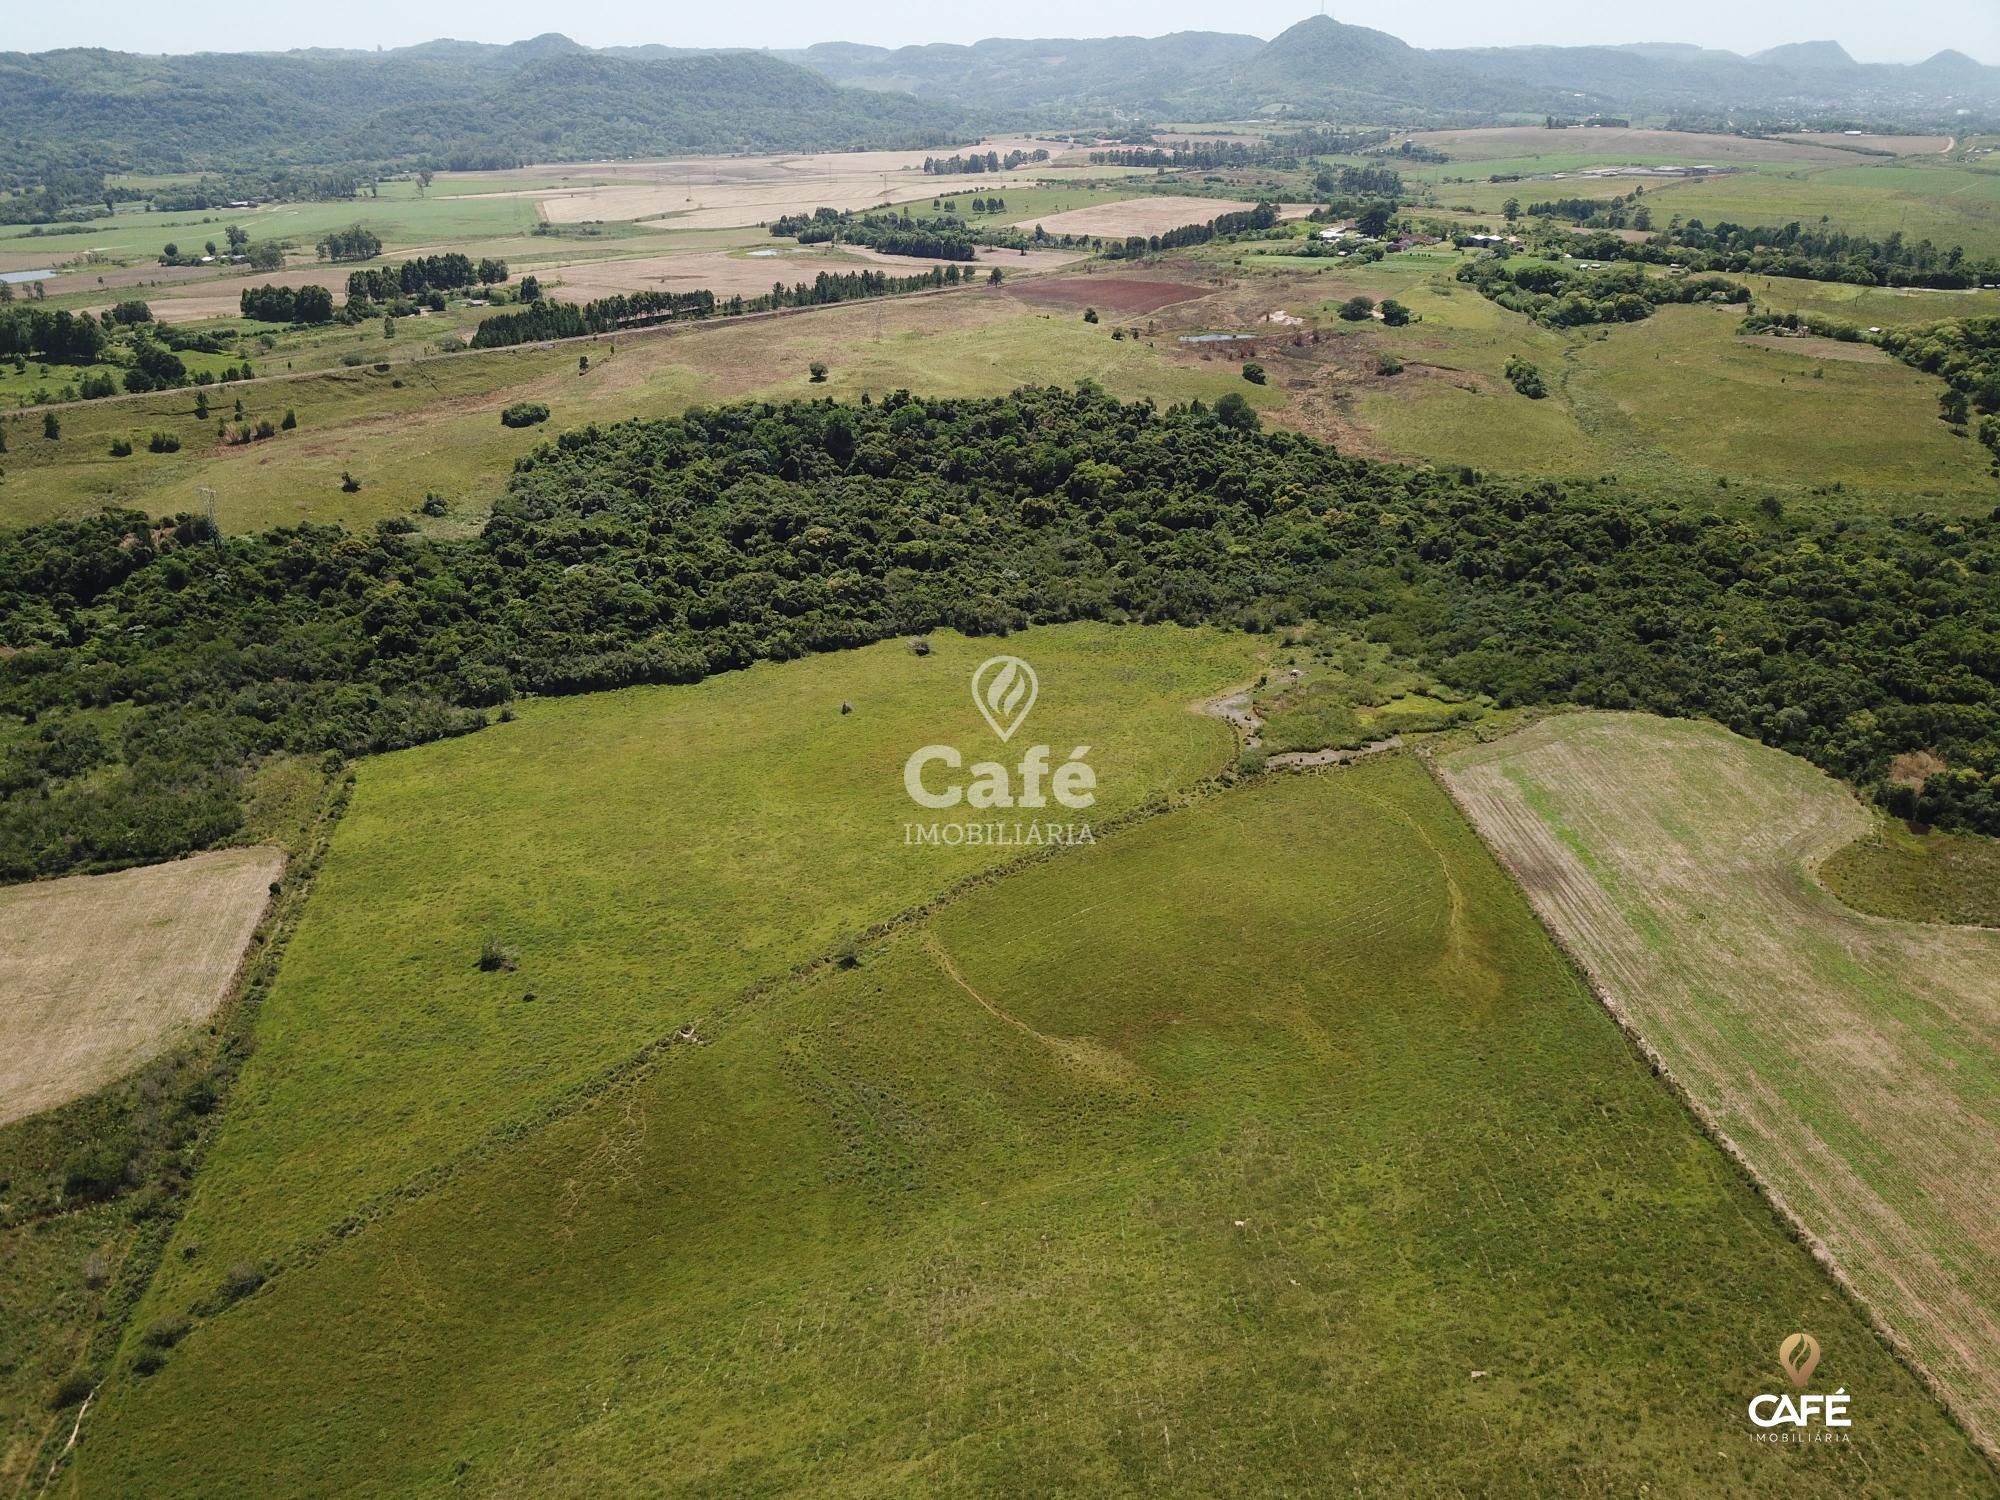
(1851, 1059)
(100, 971)
(730, 830)
(1344, 1186)
(1919, 877)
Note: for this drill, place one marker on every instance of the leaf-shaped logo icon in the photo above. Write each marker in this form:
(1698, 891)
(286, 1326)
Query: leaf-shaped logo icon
(1004, 688)
(1799, 1354)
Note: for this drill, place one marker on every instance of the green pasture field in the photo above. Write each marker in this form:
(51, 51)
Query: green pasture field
(439, 430)
(1028, 203)
(1269, 1146)
(729, 831)
(1910, 876)
(400, 216)
(1678, 401)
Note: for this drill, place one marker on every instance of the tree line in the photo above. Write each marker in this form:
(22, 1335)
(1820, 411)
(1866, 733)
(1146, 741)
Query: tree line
(1246, 221)
(1561, 296)
(549, 319)
(1807, 253)
(978, 161)
(668, 550)
(424, 273)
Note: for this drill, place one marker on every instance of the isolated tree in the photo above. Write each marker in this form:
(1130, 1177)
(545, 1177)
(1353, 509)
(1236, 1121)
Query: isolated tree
(1512, 209)
(1394, 313)
(209, 248)
(1090, 315)
(238, 237)
(1233, 411)
(171, 250)
(201, 405)
(530, 289)
(583, 364)
(291, 420)
(993, 277)
(1357, 309)
(423, 179)
(389, 326)
(51, 428)
(817, 370)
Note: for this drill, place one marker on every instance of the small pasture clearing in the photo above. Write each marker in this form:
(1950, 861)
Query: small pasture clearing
(1814, 347)
(1146, 216)
(99, 971)
(1854, 1061)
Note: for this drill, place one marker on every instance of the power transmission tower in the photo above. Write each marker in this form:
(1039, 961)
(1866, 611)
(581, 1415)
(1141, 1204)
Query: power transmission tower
(214, 527)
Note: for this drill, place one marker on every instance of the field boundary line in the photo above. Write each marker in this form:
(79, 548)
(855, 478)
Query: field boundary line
(1711, 1127)
(235, 1019)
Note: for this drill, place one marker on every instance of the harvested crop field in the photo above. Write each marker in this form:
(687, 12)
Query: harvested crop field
(1851, 1059)
(713, 192)
(1130, 216)
(1640, 147)
(1114, 293)
(99, 970)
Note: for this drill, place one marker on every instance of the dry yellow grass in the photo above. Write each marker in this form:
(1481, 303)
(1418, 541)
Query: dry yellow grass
(1850, 1059)
(718, 192)
(1131, 216)
(99, 971)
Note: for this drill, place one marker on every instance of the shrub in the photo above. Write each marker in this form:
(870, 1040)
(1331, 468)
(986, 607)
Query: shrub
(1526, 378)
(163, 442)
(524, 414)
(239, 1282)
(348, 483)
(121, 447)
(434, 505)
(494, 956)
(1387, 363)
(71, 1389)
(1254, 373)
(51, 426)
(1090, 315)
(817, 370)
(164, 1333)
(1394, 313)
(1357, 309)
(291, 420)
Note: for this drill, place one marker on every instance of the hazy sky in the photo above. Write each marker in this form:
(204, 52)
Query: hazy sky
(1872, 31)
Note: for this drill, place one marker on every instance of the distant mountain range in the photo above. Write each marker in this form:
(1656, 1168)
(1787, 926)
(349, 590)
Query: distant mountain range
(461, 103)
(1322, 65)
(467, 103)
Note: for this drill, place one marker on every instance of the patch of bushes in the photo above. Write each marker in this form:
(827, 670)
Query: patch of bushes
(524, 414)
(1526, 377)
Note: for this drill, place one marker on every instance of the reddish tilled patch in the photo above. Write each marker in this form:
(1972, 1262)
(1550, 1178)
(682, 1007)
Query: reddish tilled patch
(1112, 293)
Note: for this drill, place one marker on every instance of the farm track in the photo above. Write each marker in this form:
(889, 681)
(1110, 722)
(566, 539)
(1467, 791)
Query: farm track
(1846, 1061)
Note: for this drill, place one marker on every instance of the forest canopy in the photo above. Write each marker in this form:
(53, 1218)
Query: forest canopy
(664, 551)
